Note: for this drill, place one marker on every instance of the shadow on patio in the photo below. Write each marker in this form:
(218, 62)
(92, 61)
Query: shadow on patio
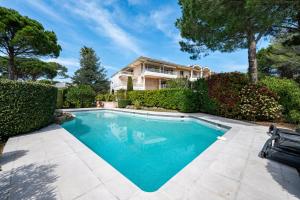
(290, 181)
(33, 181)
(11, 156)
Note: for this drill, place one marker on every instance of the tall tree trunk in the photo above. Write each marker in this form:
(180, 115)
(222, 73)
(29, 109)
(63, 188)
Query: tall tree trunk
(11, 67)
(252, 58)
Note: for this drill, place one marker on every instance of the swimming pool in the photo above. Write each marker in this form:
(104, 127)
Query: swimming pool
(148, 150)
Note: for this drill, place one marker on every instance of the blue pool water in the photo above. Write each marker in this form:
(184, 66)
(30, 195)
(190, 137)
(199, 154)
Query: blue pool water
(147, 150)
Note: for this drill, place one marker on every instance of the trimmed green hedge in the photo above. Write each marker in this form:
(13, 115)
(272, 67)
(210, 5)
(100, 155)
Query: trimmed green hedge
(25, 106)
(122, 103)
(82, 96)
(60, 98)
(184, 100)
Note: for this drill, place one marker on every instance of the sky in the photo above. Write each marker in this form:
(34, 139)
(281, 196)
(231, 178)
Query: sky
(120, 31)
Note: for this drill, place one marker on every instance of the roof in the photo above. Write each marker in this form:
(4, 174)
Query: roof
(147, 59)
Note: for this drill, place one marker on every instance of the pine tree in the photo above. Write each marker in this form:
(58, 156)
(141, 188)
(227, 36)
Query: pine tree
(91, 72)
(129, 84)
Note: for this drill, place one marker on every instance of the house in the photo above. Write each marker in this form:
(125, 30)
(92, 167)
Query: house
(61, 85)
(152, 74)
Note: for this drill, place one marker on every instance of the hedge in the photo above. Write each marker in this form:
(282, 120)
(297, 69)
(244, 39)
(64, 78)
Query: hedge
(184, 100)
(289, 92)
(82, 96)
(122, 103)
(60, 98)
(25, 106)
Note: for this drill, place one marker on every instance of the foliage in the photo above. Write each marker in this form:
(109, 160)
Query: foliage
(137, 104)
(60, 98)
(206, 104)
(129, 84)
(228, 25)
(105, 97)
(264, 64)
(294, 116)
(224, 90)
(289, 93)
(22, 36)
(91, 71)
(280, 60)
(184, 100)
(81, 96)
(121, 94)
(33, 69)
(178, 83)
(45, 81)
(122, 103)
(258, 103)
(25, 106)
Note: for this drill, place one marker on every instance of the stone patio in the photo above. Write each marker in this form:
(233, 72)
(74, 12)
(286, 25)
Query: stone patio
(53, 164)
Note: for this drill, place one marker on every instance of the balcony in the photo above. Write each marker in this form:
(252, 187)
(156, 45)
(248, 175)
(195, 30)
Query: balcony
(125, 73)
(159, 73)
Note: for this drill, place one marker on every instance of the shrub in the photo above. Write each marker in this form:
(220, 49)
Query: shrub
(129, 84)
(25, 106)
(121, 94)
(100, 97)
(105, 97)
(179, 83)
(258, 103)
(206, 104)
(81, 96)
(224, 90)
(60, 98)
(137, 104)
(122, 103)
(294, 116)
(289, 95)
(184, 100)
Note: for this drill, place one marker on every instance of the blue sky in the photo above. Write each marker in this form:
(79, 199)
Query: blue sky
(120, 31)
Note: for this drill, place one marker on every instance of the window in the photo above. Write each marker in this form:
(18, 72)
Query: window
(181, 73)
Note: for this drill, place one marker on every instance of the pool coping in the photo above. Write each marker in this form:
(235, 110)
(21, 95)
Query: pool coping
(212, 174)
(151, 113)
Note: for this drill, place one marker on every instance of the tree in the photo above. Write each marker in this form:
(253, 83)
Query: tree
(21, 36)
(229, 25)
(129, 84)
(279, 59)
(91, 72)
(33, 69)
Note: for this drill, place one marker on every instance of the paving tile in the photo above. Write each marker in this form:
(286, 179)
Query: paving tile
(99, 192)
(121, 188)
(175, 190)
(53, 149)
(34, 181)
(229, 166)
(158, 195)
(74, 177)
(264, 177)
(247, 192)
(220, 185)
(197, 193)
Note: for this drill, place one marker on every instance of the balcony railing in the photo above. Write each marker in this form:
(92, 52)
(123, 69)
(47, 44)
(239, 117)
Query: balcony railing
(160, 71)
(126, 73)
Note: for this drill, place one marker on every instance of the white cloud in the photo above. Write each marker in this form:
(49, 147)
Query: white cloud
(104, 25)
(68, 62)
(45, 9)
(233, 67)
(164, 20)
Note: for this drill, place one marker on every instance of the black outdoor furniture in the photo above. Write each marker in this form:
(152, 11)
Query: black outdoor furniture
(283, 146)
